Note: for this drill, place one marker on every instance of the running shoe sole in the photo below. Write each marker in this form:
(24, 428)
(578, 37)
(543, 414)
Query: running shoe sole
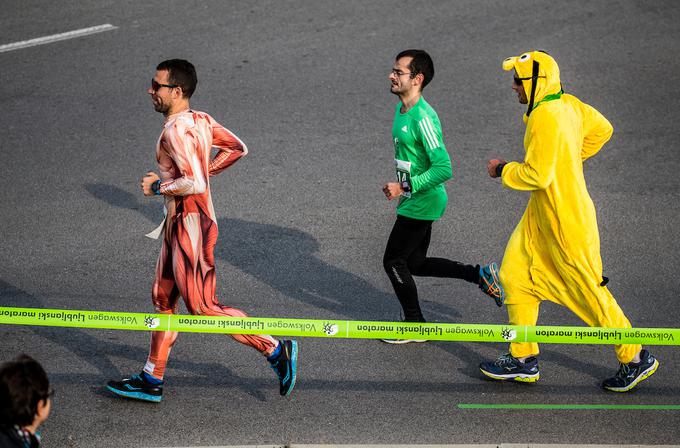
(293, 367)
(402, 341)
(521, 377)
(136, 395)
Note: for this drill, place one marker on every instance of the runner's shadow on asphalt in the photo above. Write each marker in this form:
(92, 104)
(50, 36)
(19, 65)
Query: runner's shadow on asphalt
(283, 258)
(119, 198)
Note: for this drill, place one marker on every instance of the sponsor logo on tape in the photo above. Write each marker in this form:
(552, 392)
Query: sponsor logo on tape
(508, 334)
(330, 329)
(151, 322)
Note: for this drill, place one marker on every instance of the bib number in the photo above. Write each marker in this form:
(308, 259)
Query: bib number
(404, 176)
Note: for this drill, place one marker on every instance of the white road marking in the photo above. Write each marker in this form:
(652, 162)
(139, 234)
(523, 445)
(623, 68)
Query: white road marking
(57, 37)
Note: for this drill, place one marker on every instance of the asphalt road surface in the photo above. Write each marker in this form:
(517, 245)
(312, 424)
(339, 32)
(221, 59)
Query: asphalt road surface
(303, 221)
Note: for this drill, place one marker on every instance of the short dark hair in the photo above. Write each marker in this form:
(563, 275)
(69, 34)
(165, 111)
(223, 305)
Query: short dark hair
(23, 384)
(182, 73)
(420, 64)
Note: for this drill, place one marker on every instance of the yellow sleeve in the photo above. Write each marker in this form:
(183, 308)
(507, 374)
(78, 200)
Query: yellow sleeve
(596, 131)
(538, 169)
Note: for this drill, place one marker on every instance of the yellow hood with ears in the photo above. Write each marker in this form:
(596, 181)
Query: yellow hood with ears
(540, 72)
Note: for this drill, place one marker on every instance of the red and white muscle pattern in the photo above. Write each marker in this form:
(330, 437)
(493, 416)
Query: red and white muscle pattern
(186, 264)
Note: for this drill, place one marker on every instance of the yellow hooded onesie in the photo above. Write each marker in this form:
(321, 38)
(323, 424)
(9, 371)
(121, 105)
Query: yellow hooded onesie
(554, 252)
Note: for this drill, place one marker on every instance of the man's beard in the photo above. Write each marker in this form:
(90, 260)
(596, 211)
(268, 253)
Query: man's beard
(161, 108)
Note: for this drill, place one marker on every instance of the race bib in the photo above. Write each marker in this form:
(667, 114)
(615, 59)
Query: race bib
(404, 176)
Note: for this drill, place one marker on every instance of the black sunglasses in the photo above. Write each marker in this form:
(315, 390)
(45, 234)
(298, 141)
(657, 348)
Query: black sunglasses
(155, 86)
(518, 81)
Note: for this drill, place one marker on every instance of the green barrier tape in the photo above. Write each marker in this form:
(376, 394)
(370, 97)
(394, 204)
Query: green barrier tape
(332, 328)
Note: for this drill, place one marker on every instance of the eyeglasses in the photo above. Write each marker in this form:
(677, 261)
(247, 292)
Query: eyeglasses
(396, 72)
(155, 86)
(50, 394)
(518, 81)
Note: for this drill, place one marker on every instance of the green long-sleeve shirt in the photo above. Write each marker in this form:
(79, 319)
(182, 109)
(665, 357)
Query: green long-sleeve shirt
(422, 163)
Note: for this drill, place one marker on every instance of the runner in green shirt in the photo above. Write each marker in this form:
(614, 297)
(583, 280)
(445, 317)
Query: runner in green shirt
(422, 165)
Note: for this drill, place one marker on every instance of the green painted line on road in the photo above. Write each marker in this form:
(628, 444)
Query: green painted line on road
(645, 407)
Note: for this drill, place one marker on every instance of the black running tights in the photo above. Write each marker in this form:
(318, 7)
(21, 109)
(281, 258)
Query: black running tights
(406, 256)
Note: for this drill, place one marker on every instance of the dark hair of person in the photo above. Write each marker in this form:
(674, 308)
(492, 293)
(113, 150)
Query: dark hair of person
(23, 384)
(181, 73)
(420, 64)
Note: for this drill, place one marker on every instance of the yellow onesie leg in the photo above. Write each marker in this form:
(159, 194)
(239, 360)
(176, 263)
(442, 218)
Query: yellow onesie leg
(596, 306)
(532, 274)
(520, 298)
(523, 314)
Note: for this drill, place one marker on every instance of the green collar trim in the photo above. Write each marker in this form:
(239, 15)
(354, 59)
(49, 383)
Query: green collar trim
(554, 96)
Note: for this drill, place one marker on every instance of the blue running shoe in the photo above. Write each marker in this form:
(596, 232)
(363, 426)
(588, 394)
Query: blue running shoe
(138, 388)
(631, 374)
(507, 367)
(490, 284)
(285, 366)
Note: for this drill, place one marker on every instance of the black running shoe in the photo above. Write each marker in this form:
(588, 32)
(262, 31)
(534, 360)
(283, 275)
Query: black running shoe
(138, 388)
(285, 366)
(629, 375)
(507, 367)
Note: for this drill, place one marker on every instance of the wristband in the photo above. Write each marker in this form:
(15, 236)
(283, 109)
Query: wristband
(156, 187)
(499, 169)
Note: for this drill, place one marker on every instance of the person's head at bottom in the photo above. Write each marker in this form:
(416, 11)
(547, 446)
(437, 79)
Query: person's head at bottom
(25, 399)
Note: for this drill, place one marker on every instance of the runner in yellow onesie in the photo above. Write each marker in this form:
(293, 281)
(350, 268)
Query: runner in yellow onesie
(554, 252)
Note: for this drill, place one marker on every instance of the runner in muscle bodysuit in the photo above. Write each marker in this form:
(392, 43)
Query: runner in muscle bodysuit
(186, 264)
